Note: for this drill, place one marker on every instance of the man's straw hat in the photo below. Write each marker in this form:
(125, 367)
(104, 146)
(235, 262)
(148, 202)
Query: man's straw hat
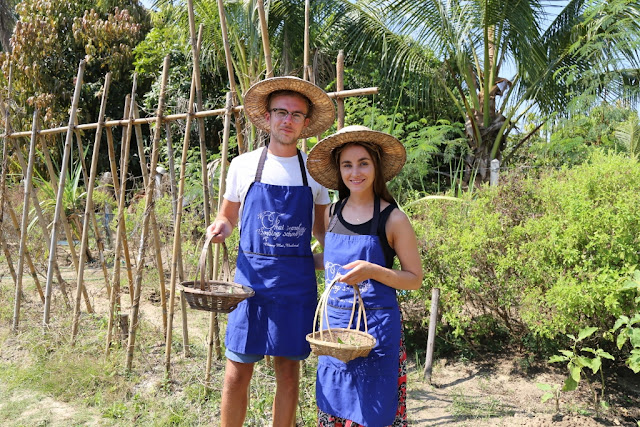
(322, 165)
(322, 114)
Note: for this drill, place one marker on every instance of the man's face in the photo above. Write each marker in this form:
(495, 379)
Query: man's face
(284, 127)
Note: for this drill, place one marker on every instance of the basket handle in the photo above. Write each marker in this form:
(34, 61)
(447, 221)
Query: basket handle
(202, 264)
(321, 309)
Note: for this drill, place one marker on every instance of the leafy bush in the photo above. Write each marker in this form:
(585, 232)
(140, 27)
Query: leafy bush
(542, 257)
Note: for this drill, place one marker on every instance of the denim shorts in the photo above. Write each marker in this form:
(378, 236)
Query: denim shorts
(252, 358)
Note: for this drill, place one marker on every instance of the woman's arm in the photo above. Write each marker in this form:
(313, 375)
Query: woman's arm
(402, 239)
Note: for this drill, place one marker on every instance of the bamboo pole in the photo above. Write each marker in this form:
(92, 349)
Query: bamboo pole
(433, 320)
(125, 151)
(180, 116)
(32, 268)
(64, 219)
(340, 87)
(7, 255)
(265, 39)
(5, 154)
(3, 178)
(214, 332)
(63, 171)
(25, 219)
(115, 288)
(306, 74)
(43, 225)
(176, 232)
(116, 190)
(88, 210)
(154, 224)
(148, 209)
(306, 71)
(232, 81)
(174, 190)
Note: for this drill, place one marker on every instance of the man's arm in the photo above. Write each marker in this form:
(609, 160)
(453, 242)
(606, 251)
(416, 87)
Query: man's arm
(225, 221)
(319, 228)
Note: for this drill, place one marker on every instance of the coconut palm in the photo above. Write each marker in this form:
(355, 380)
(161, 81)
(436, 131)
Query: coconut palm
(628, 133)
(499, 59)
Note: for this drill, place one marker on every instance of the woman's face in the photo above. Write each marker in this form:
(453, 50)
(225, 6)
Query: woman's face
(357, 169)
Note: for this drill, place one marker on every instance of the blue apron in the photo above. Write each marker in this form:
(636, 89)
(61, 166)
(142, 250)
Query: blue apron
(364, 390)
(276, 261)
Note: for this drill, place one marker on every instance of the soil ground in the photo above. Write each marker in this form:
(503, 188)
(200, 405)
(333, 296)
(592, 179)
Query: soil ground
(496, 391)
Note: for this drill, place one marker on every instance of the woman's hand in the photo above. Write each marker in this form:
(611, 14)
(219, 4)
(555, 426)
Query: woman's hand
(359, 271)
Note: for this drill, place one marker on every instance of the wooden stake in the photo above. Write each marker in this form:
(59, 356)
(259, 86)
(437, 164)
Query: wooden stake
(88, 210)
(116, 190)
(32, 268)
(64, 220)
(305, 66)
(232, 81)
(43, 225)
(214, 331)
(340, 87)
(5, 154)
(433, 320)
(176, 232)
(115, 288)
(148, 209)
(25, 221)
(154, 225)
(265, 39)
(63, 171)
(174, 190)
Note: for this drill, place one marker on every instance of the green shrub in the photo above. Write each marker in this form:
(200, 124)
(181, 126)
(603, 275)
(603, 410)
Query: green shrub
(540, 257)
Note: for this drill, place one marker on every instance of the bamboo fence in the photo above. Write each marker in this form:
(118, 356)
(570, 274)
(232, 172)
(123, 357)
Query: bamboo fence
(130, 123)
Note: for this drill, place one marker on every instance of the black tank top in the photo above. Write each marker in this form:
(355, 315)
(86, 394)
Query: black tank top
(344, 227)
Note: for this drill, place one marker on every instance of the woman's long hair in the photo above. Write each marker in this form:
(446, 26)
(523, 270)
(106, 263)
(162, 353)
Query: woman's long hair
(379, 185)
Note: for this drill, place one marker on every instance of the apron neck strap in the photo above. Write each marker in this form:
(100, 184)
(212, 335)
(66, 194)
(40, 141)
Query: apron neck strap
(263, 158)
(374, 222)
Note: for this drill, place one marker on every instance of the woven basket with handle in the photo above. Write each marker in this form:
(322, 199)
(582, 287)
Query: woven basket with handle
(342, 343)
(213, 295)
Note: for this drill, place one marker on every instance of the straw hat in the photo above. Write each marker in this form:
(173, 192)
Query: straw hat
(322, 113)
(321, 164)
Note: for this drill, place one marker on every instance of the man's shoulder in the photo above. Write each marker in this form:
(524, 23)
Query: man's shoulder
(248, 157)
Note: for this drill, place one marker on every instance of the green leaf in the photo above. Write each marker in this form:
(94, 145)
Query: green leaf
(634, 337)
(606, 355)
(586, 332)
(546, 397)
(544, 387)
(567, 353)
(574, 372)
(557, 358)
(570, 384)
(622, 320)
(622, 338)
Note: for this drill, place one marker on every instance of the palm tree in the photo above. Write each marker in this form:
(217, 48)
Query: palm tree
(589, 47)
(628, 133)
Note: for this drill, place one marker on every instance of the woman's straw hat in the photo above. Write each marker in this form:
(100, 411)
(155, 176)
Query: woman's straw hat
(322, 165)
(322, 114)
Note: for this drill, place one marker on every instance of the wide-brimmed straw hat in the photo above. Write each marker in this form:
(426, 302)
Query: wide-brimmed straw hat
(323, 168)
(322, 113)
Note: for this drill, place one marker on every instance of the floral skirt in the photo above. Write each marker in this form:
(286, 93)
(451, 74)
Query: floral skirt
(327, 420)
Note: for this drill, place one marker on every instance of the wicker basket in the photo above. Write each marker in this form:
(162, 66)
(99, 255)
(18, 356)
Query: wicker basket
(212, 295)
(342, 343)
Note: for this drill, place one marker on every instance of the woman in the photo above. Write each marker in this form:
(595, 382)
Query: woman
(365, 231)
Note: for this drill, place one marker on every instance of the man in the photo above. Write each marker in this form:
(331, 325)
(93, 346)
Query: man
(279, 206)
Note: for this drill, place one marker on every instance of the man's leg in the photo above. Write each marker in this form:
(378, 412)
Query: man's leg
(287, 386)
(237, 377)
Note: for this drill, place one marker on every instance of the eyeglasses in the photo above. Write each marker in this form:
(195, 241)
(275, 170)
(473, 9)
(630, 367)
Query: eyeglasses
(282, 114)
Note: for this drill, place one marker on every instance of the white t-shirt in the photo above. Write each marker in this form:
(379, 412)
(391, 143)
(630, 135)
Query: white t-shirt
(277, 171)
